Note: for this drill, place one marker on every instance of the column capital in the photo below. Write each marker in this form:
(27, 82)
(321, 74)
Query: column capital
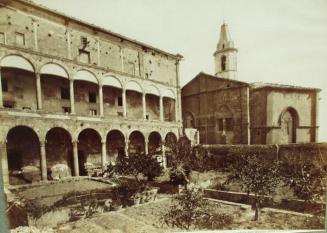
(43, 142)
(3, 143)
(103, 141)
(75, 142)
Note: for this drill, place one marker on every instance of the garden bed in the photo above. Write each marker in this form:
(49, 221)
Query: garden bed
(148, 218)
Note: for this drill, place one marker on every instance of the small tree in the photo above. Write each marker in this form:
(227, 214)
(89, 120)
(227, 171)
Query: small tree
(191, 209)
(183, 160)
(256, 176)
(139, 164)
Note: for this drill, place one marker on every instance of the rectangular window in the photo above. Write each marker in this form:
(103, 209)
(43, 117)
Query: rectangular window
(220, 124)
(229, 124)
(120, 101)
(4, 84)
(84, 56)
(20, 38)
(65, 93)
(92, 97)
(2, 38)
(66, 109)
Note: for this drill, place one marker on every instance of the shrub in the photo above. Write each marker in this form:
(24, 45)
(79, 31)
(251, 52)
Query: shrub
(306, 179)
(139, 164)
(36, 209)
(256, 176)
(191, 209)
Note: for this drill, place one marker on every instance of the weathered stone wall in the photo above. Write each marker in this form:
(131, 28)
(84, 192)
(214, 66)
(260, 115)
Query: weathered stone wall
(294, 153)
(258, 116)
(209, 99)
(57, 36)
(21, 89)
(278, 101)
(51, 94)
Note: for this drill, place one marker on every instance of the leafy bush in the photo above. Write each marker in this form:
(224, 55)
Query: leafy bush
(306, 179)
(256, 176)
(121, 195)
(139, 164)
(36, 209)
(192, 210)
(179, 174)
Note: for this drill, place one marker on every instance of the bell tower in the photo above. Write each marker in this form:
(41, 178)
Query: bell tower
(225, 55)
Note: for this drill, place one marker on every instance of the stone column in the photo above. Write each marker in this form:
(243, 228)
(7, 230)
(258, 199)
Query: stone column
(124, 102)
(71, 96)
(1, 97)
(4, 163)
(101, 99)
(75, 157)
(163, 150)
(161, 108)
(146, 147)
(4, 182)
(38, 91)
(176, 110)
(126, 147)
(103, 154)
(144, 105)
(44, 172)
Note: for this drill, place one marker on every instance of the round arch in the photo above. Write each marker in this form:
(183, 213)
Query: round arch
(153, 90)
(294, 114)
(115, 145)
(89, 151)
(155, 141)
(86, 75)
(23, 155)
(112, 81)
(288, 122)
(170, 145)
(169, 94)
(17, 61)
(59, 151)
(54, 69)
(133, 86)
(170, 138)
(188, 119)
(136, 143)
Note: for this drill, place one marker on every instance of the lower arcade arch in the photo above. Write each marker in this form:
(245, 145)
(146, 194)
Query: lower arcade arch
(115, 145)
(89, 151)
(136, 143)
(59, 151)
(170, 147)
(154, 146)
(23, 154)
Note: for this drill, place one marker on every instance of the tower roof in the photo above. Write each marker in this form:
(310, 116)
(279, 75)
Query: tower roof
(225, 40)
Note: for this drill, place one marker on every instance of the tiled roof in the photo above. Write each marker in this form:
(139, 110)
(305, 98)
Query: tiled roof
(259, 85)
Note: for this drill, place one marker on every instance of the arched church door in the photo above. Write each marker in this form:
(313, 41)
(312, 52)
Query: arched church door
(288, 127)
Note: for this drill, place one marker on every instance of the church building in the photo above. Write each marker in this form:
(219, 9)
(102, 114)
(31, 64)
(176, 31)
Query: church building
(225, 110)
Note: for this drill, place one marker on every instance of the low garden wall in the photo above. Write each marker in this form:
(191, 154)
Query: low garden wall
(221, 156)
(293, 204)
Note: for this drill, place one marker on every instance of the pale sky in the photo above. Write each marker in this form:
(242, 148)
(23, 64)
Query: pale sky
(279, 41)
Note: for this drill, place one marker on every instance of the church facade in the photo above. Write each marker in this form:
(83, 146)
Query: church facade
(227, 111)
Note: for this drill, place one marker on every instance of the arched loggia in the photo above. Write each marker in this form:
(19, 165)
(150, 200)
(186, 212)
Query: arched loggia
(23, 155)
